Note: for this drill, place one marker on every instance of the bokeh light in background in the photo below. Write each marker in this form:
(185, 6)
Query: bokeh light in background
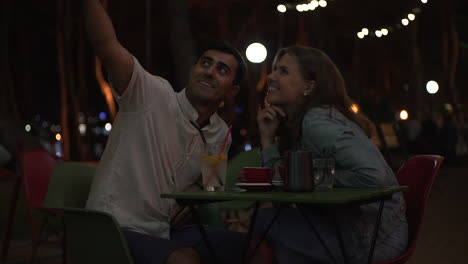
(27, 127)
(432, 87)
(404, 114)
(102, 116)
(256, 53)
(355, 108)
(448, 107)
(411, 17)
(243, 132)
(281, 8)
(82, 129)
(247, 147)
(405, 22)
(58, 137)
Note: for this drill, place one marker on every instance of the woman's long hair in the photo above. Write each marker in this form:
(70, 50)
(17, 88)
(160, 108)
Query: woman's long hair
(329, 90)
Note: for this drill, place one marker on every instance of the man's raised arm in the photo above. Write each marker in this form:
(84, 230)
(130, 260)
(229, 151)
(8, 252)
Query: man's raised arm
(115, 58)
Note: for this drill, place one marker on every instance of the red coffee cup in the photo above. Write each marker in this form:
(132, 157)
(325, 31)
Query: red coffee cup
(255, 175)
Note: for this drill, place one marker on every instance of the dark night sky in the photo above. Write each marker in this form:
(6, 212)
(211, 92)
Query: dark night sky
(35, 22)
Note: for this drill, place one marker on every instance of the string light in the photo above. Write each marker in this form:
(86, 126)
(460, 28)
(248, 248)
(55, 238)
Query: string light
(281, 8)
(310, 6)
(384, 31)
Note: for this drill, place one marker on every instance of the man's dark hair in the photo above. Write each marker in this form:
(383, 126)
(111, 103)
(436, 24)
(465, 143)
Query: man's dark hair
(227, 48)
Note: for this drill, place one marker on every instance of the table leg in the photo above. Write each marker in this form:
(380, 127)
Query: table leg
(278, 211)
(340, 238)
(249, 234)
(316, 233)
(376, 231)
(205, 235)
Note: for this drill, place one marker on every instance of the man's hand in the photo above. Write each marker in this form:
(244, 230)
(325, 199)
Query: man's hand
(115, 58)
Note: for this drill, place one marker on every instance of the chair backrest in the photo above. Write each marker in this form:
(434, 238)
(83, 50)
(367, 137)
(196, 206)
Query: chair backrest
(418, 173)
(36, 166)
(69, 185)
(94, 237)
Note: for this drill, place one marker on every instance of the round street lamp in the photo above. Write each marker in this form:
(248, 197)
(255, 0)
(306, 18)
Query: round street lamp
(256, 53)
(432, 87)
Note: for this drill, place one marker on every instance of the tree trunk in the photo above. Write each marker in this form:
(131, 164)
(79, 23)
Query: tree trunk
(8, 105)
(103, 84)
(355, 89)
(83, 146)
(417, 89)
(453, 54)
(181, 43)
(62, 78)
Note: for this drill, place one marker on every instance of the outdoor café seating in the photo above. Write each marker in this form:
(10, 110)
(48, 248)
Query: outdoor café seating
(418, 173)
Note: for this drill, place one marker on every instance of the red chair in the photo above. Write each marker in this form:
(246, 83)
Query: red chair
(35, 167)
(418, 173)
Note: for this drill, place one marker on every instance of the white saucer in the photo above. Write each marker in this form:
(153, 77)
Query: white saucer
(253, 184)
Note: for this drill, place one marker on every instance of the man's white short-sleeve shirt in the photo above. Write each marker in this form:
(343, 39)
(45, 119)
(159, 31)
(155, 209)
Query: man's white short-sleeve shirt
(153, 148)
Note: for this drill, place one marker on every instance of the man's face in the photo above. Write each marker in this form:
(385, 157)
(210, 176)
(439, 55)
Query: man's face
(211, 78)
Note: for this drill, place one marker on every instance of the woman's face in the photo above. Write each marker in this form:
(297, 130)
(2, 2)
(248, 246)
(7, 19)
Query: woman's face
(285, 83)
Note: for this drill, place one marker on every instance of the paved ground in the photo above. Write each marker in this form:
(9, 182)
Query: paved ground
(444, 237)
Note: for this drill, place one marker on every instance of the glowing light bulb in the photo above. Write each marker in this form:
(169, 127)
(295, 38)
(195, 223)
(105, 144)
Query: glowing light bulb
(404, 115)
(281, 8)
(432, 87)
(256, 53)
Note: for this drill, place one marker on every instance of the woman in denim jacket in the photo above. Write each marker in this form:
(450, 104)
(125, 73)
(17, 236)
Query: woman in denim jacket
(308, 107)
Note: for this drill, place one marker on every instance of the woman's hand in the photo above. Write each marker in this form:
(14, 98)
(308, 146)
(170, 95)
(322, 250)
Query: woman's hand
(268, 121)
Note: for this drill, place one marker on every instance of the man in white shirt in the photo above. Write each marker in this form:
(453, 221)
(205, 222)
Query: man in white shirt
(155, 142)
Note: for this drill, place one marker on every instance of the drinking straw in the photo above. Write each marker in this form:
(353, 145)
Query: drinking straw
(224, 142)
(220, 154)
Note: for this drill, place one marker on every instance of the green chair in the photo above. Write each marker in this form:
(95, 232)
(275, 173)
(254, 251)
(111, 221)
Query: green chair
(94, 237)
(69, 185)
